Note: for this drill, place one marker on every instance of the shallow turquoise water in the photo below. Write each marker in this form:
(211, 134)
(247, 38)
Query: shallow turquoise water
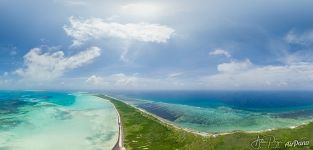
(218, 119)
(56, 120)
(226, 111)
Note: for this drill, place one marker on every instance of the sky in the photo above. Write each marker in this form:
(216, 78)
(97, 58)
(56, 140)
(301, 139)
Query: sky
(156, 44)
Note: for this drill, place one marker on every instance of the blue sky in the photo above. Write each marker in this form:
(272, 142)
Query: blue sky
(203, 44)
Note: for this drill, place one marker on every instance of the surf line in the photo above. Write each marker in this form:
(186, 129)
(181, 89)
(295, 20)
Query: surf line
(120, 143)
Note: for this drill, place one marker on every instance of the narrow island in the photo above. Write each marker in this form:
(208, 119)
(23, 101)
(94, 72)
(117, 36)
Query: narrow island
(145, 131)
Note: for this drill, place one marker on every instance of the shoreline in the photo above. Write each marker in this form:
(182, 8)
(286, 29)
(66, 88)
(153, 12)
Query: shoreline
(120, 142)
(206, 134)
(119, 145)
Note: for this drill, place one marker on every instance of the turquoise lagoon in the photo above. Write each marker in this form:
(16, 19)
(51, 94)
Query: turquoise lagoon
(32, 120)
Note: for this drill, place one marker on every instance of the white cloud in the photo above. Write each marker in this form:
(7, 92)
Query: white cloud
(143, 9)
(235, 66)
(290, 76)
(174, 75)
(95, 28)
(39, 66)
(122, 81)
(114, 80)
(220, 52)
(299, 38)
(96, 80)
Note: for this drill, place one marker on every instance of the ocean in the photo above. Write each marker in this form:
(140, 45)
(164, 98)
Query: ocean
(42, 120)
(225, 111)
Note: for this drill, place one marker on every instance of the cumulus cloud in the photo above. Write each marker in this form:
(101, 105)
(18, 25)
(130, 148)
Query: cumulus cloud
(95, 80)
(123, 81)
(220, 52)
(114, 80)
(235, 66)
(40, 66)
(95, 28)
(245, 75)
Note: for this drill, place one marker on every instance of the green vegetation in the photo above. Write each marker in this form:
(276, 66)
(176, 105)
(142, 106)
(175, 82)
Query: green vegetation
(143, 131)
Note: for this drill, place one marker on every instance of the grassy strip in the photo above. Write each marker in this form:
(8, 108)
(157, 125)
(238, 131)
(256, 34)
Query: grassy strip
(143, 131)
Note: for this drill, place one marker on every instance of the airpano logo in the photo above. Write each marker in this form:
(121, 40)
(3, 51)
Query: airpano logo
(297, 143)
(271, 142)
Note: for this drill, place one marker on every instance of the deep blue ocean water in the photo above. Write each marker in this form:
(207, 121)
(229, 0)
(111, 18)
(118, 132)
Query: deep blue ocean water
(225, 111)
(267, 101)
